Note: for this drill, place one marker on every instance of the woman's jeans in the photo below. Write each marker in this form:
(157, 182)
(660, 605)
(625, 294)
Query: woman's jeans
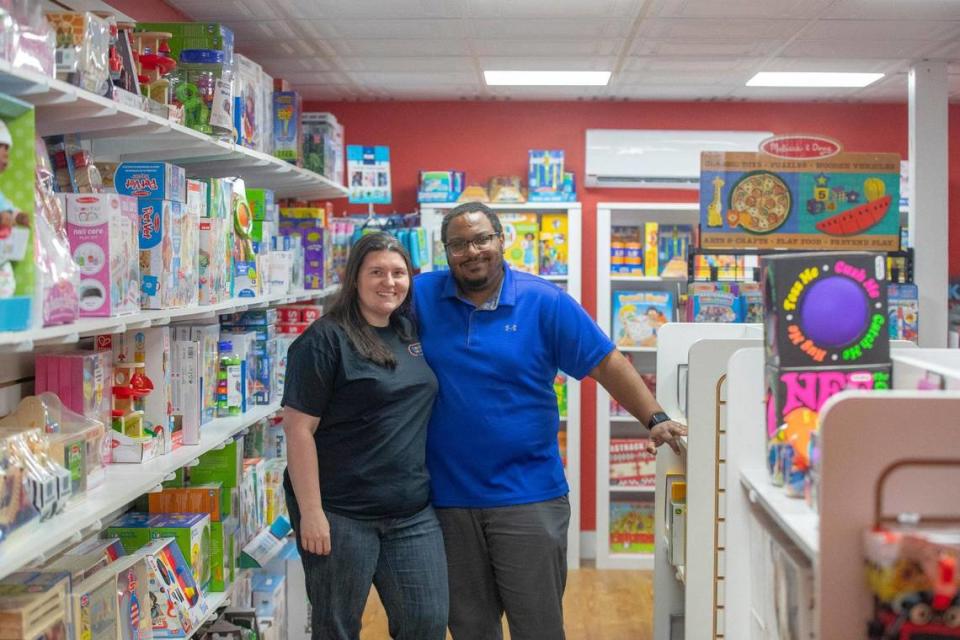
(403, 557)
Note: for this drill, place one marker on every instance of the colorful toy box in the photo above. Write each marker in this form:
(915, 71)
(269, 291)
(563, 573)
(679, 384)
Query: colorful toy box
(545, 174)
(554, 244)
(208, 337)
(33, 605)
(287, 129)
(17, 264)
(132, 530)
(262, 203)
(638, 316)
(631, 527)
(520, 231)
(81, 379)
(186, 391)
(204, 498)
(133, 592)
(151, 347)
(219, 195)
(169, 255)
(177, 605)
(842, 202)
(216, 239)
(312, 238)
(826, 309)
(222, 563)
(102, 230)
(192, 533)
(903, 301)
(151, 180)
(197, 198)
(794, 398)
(220, 465)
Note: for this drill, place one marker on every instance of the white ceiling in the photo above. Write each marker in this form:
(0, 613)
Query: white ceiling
(656, 49)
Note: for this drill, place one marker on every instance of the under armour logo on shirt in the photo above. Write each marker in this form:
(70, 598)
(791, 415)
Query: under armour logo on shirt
(510, 327)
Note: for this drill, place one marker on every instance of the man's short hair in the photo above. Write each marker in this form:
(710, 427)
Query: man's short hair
(470, 207)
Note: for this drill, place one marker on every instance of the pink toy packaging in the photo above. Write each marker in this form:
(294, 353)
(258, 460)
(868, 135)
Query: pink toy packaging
(216, 239)
(81, 379)
(102, 228)
(169, 256)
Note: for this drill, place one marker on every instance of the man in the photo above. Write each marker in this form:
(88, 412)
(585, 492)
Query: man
(495, 339)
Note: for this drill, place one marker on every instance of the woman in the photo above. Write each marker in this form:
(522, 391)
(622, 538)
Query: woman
(357, 400)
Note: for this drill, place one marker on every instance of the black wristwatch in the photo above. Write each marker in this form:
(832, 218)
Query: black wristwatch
(657, 418)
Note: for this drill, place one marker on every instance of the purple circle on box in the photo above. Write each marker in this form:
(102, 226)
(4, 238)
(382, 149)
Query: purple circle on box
(834, 311)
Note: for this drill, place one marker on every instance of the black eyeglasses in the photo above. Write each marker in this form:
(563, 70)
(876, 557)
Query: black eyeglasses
(459, 247)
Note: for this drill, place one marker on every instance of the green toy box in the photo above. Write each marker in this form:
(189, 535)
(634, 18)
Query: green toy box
(220, 465)
(132, 529)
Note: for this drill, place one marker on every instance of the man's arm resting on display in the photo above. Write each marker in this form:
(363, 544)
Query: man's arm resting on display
(617, 375)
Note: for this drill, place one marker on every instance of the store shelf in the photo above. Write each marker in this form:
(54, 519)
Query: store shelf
(506, 206)
(681, 574)
(642, 490)
(627, 419)
(64, 334)
(792, 515)
(214, 601)
(130, 134)
(556, 278)
(122, 485)
(627, 278)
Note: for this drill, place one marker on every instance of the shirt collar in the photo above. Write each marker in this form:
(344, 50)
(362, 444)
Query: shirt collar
(507, 294)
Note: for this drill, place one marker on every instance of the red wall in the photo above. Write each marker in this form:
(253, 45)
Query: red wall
(492, 138)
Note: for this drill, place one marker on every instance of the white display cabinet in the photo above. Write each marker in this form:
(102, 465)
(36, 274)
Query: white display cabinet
(611, 215)
(691, 377)
(431, 216)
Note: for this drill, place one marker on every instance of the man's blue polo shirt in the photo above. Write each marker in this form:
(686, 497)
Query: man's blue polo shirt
(492, 439)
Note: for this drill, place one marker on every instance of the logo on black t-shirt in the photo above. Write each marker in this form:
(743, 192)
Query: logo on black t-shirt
(415, 349)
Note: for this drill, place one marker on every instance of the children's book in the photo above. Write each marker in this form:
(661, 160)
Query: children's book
(554, 243)
(631, 527)
(903, 305)
(638, 316)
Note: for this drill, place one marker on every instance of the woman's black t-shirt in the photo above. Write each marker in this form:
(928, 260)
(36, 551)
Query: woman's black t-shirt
(371, 441)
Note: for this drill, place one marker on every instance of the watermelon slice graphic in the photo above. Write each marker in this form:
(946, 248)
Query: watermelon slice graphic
(856, 220)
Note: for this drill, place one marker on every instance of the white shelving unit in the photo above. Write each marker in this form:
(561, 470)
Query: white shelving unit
(123, 484)
(856, 430)
(431, 215)
(117, 132)
(122, 133)
(610, 215)
(692, 365)
(68, 333)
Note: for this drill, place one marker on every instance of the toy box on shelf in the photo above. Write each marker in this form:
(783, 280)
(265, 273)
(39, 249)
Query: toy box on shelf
(180, 604)
(546, 179)
(287, 127)
(440, 186)
(34, 605)
(17, 265)
(840, 201)
(102, 229)
(638, 315)
(824, 332)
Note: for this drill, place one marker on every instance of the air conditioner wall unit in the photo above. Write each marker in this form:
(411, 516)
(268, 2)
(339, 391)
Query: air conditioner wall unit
(659, 159)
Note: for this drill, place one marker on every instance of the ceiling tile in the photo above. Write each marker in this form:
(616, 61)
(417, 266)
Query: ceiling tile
(785, 94)
(374, 78)
(894, 10)
(399, 47)
(681, 78)
(667, 92)
(544, 48)
(704, 48)
(379, 9)
(775, 9)
(422, 63)
(553, 28)
(549, 10)
(238, 10)
(293, 63)
(422, 28)
(859, 65)
(843, 49)
(881, 30)
(729, 29)
(690, 65)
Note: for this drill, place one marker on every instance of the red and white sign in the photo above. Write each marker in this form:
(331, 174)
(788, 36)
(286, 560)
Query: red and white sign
(799, 146)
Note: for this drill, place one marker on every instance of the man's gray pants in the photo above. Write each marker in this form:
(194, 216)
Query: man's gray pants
(509, 560)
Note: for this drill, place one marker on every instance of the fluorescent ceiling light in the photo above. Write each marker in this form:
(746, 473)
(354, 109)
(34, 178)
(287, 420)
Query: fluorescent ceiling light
(812, 79)
(547, 78)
